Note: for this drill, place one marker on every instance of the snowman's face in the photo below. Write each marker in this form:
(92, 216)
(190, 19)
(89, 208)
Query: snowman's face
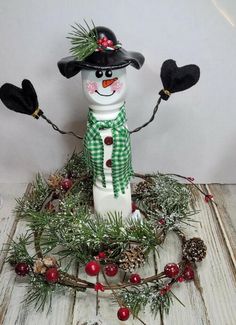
(104, 87)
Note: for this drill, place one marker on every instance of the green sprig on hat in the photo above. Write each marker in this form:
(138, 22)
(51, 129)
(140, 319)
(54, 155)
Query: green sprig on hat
(84, 41)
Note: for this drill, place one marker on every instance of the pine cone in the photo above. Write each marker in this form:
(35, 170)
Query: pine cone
(131, 259)
(54, 181)
(42, 264)
(143, 187)
(39, 266)
(194, 250)
(49, 261)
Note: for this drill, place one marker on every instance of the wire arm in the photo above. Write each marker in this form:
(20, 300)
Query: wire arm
(150, 120)
(56, 128)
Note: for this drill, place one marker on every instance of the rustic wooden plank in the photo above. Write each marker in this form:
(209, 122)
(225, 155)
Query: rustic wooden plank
(225, 196)
(8, 221)
(194, 311)
(215, 279)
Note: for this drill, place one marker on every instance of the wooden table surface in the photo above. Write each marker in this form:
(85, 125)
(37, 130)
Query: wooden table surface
(210, 299)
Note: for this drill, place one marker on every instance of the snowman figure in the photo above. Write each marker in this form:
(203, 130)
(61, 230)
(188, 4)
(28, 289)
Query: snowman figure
(102, 62)
(107, 141)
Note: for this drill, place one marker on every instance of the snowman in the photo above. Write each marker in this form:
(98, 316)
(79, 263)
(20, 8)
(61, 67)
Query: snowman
(107, 151)
(107, 141)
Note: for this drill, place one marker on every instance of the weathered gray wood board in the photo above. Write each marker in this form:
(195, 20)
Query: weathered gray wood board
(210, 299)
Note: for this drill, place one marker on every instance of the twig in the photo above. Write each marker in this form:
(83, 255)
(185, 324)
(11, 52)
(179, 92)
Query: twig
(191, 182)
(97, 298)
(56, 128)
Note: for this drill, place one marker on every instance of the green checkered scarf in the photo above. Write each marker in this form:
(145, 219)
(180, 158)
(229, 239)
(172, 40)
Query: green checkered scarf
(121, 152)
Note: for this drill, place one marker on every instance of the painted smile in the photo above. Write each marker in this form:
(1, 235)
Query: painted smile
(96, 91)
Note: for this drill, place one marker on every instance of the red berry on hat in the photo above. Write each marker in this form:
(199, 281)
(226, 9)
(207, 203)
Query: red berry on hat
(52, 275)
(99, 41)
(92, 268)
(104, 43)
(180, 279)
(105, 39)
(110, 43)
(171, 270)
(111, 269)
(123, 313)
(135, 278)
(22, 269)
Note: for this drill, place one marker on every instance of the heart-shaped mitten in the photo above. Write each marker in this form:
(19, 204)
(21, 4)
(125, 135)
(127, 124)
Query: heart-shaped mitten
(176, 78)
(22, 100)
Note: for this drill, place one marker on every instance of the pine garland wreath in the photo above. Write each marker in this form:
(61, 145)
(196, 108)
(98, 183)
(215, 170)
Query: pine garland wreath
(63, 227)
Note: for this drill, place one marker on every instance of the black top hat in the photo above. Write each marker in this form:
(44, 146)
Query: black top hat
(108, 54)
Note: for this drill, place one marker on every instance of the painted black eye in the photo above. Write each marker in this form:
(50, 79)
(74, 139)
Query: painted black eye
(99, 73)
(108, 73)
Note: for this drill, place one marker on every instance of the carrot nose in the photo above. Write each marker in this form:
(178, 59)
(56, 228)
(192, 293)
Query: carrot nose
(108, 82)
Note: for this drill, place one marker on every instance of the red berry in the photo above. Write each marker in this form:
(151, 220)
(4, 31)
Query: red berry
(22, 269)
(180, 279)
(66, 184)
(134, 207)
(111, 269)
(105, 39)
(208, 198)
(171, 270)
(110, 43)
(92, 268)
(162, 221)
(123, 313)
(104, 44)
(135, 278)
(102, 255)
(99, 286)
(188, 273)
(52, 275)
(168, 287)
(99, 41)
(164, 290)
(190, 179)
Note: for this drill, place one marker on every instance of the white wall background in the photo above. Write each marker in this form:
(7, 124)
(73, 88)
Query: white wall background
(194, 133)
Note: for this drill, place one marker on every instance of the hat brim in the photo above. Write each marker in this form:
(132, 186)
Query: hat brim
(116, 59)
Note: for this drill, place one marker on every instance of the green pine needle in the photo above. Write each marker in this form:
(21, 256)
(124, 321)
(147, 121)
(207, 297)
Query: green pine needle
(84, 41)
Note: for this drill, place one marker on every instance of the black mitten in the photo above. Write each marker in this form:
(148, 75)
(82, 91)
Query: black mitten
(22, 100)
(176, 79)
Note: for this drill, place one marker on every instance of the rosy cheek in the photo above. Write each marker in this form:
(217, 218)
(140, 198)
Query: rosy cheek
(117, 86)
(91, 87)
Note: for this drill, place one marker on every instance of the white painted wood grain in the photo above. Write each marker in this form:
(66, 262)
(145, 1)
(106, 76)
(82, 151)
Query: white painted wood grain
(225, 196)
(216, 272)
(7, 220)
